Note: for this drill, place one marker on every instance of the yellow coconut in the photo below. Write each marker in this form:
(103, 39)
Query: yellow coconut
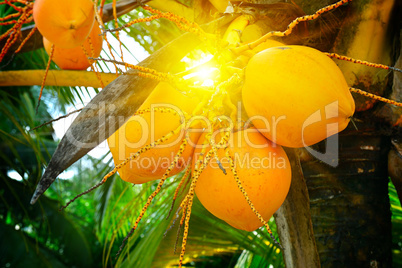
(264, 171)
(296, 96)
(141, 130)
(75, 58)
(64, 23)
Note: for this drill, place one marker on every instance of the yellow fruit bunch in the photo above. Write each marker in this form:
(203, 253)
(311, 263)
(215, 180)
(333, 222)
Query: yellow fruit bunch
(294, 96)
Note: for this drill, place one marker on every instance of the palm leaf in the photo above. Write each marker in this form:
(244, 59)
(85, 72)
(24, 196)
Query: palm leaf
(396, 220)
(149, 246)
(59, 232)
(26, 254)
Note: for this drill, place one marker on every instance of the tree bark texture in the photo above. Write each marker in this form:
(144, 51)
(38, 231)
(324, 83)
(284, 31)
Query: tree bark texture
(349, 204)
(293, 220)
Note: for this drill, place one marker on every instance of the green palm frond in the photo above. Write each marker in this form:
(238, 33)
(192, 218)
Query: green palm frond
(22, 151)
(151, 245)
(59, 233)
(22, 251)
(396, 219)
(210, 236)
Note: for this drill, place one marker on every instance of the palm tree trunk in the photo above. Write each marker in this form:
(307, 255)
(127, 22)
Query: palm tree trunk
(349, 204)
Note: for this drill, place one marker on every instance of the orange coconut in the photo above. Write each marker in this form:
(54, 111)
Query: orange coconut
(141, 130)
(75, 58)
(296, 96)
(64, 23)
(264, 171)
